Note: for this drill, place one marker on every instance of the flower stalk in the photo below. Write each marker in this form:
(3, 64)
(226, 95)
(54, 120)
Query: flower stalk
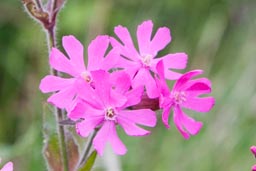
(59, 113)
(47, 18)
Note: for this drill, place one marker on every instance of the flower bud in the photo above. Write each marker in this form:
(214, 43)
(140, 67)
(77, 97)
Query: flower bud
(147, 103)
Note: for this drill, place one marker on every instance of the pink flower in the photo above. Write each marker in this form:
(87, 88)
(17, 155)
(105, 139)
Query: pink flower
(253, 168)
(74, 66)
(105, 107)
(7, 167)
(185, 93)
(253, 150)
(140, 64)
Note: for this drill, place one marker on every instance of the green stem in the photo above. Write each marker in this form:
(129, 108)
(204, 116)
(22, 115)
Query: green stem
(60, 115)
(35, 9)
(86, 150)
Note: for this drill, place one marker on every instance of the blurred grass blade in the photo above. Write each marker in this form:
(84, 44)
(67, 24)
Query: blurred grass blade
(90, 162)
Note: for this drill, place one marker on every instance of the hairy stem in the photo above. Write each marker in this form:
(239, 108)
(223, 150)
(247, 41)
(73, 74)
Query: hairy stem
(60, 115)
(48, 22)
(86, 151)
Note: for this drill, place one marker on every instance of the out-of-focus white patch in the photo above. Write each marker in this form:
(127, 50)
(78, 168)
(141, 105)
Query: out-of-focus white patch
(111, 161)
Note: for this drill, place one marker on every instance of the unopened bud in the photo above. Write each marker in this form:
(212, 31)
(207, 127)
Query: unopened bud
(36, 13)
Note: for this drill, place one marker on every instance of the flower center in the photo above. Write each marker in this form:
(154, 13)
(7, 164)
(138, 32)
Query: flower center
(110, 114)
(146, 59)
(179, 97)
(86, 76)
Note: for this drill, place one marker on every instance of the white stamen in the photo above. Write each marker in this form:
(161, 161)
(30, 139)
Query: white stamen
(146, 59)
(110, 114)
(179, 97)
(86, 76)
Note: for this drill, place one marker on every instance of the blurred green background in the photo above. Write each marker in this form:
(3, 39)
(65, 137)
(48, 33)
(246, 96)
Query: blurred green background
(218, 35)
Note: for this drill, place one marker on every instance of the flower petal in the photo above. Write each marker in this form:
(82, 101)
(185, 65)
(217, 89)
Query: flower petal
(151, 87)
(84, 110)
(52, 83)
(111, 60)
(134, 96)
(100, 140)
(129, 119)
(61, 63)
(124, 35)
(150, 84)
(117, 145)
(198, 87)
(104, 91)
(145, 117)
(96, 52)
(85, 127)
(144, 32)
(117, 99)
(8, 167)
(87, 93)
(171, 75)
(185, 78)
(253, 168)
(78, 110)
(131, 128)
(162, 86)
(161, 39)
(108, 133)
(175, 61)
(63, 98)
(102, 85)
(131, 67)
(182, 121)
(204, 104)
(253, 150)
(75, 51)
(121, 81)
(165, 115)
(128, 50)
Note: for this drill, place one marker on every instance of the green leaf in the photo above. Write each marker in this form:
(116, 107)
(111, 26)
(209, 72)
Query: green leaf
(89, 162)
(52, 153)
(73, 153)
(51, 149)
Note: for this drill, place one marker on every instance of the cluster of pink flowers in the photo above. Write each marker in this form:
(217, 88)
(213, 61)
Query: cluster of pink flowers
(101, 95)
(7, 167)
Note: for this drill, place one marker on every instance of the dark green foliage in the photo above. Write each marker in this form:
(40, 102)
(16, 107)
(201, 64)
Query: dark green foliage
(89, 162)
